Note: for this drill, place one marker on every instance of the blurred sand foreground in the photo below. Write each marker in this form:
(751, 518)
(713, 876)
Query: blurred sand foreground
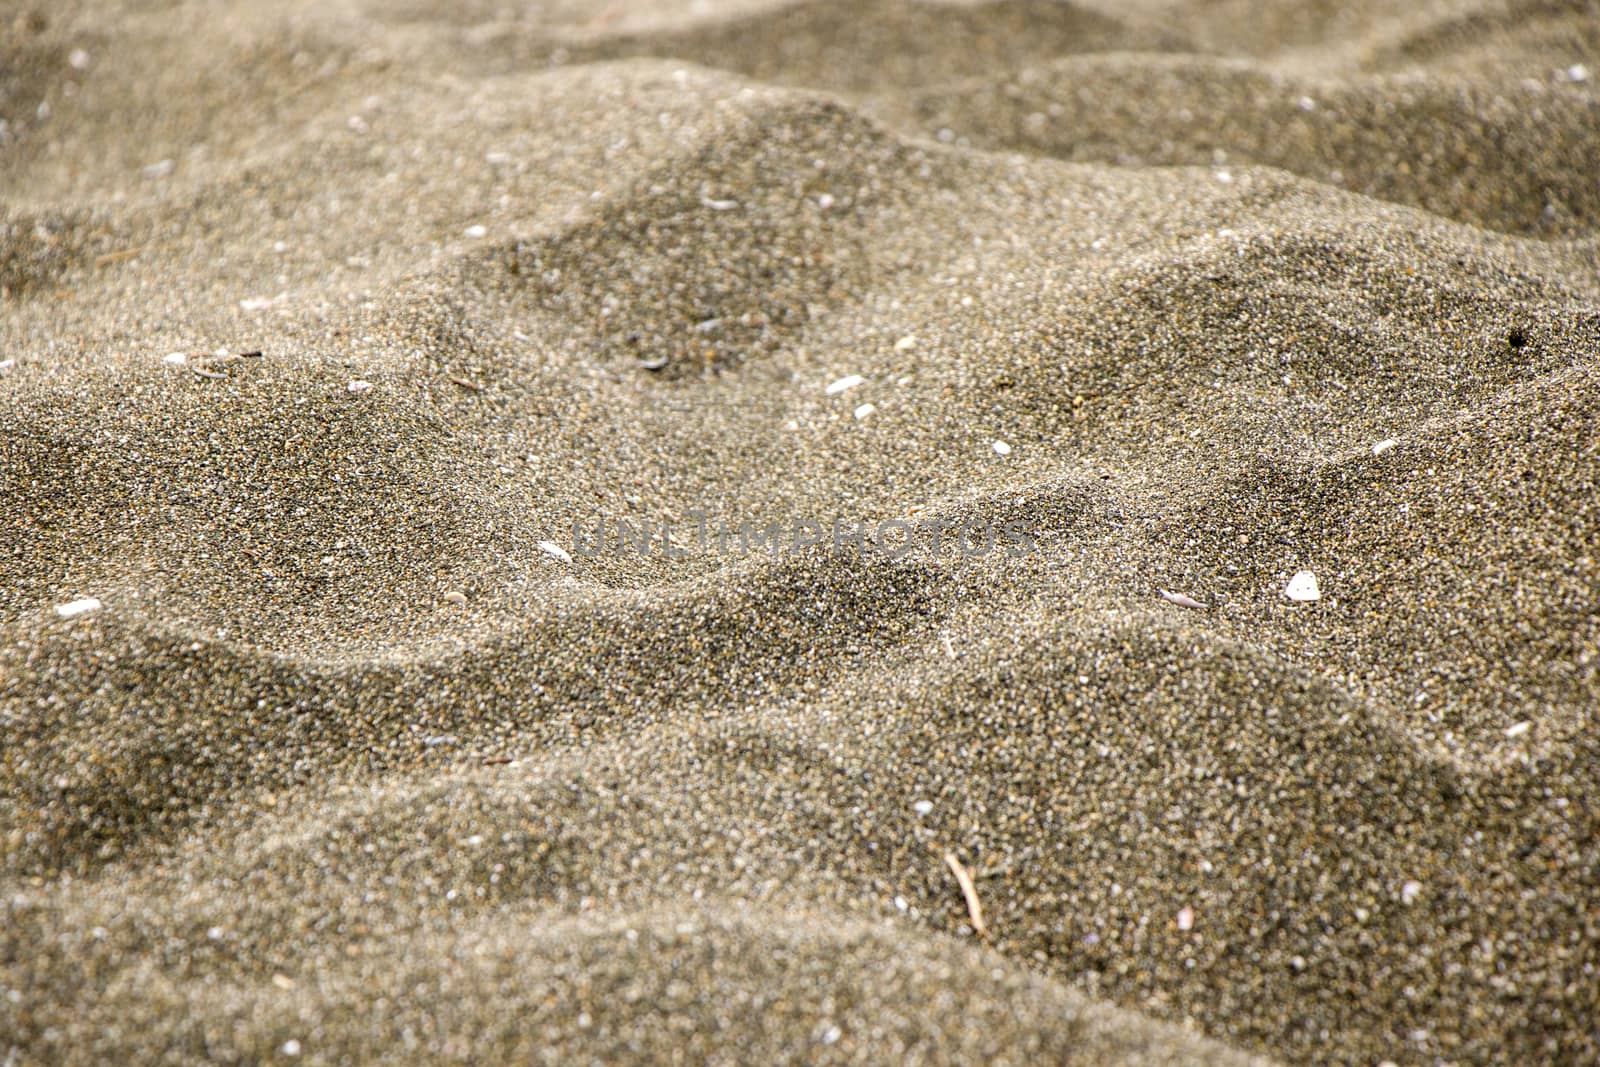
(324, 323)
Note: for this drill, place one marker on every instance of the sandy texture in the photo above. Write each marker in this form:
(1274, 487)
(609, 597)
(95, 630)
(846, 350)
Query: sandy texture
(320, 317)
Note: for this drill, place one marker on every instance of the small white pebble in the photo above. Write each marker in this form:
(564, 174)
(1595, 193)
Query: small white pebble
(1186, 918)
(216, 933)
(1180, 599)
(718, 205)
(1224, 177)
(177, 359)
(848, 382)
(73, 609)
(477, 231)
(1303, 587)
(359, 386)
(78, 59)
(550, 548)
(159, 169)
(1577, 73)
(1305, 103)
(1410, 892)
(291, 1047)
(1001, 448)
(459, 599)
(865, 410)
(923, 807)
(497, 159)
(825, 201)
(1518, 729)
(905, 344)
(257, 303)
(7, 364)
(1383, 446)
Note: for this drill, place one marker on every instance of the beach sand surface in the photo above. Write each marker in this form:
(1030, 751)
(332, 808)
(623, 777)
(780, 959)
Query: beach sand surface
(325, 324)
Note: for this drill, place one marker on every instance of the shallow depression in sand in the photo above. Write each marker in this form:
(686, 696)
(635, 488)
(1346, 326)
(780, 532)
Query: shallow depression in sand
(327, 327)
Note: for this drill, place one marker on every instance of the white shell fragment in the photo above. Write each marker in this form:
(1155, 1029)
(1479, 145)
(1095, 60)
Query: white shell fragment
(477, 231)
(359, 386)
(1518, 729)
(905, 344)
(456, 597)
(550, 548)
(86, 606)
(865, 410)
(1181, 599)
(1186, 918)
(1001, 448)
(176, 359)
(848, 382)
(718, 205)
(1383, 446)
(923, 807)
(1303, 587)
(1410, 892)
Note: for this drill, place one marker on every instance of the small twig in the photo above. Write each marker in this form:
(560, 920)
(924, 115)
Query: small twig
(109, 258)
(970, 893)
(202, 372)
(467, 384)
(496, 761)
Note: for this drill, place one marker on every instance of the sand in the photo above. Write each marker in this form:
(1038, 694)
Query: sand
(324, 323)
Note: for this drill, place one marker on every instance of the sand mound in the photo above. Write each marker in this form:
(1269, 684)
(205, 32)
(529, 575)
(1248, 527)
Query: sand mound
(1507, 154)
(326, 329)
(850, 47)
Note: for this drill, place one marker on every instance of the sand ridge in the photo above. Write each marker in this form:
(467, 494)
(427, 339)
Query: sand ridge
(323, 322)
